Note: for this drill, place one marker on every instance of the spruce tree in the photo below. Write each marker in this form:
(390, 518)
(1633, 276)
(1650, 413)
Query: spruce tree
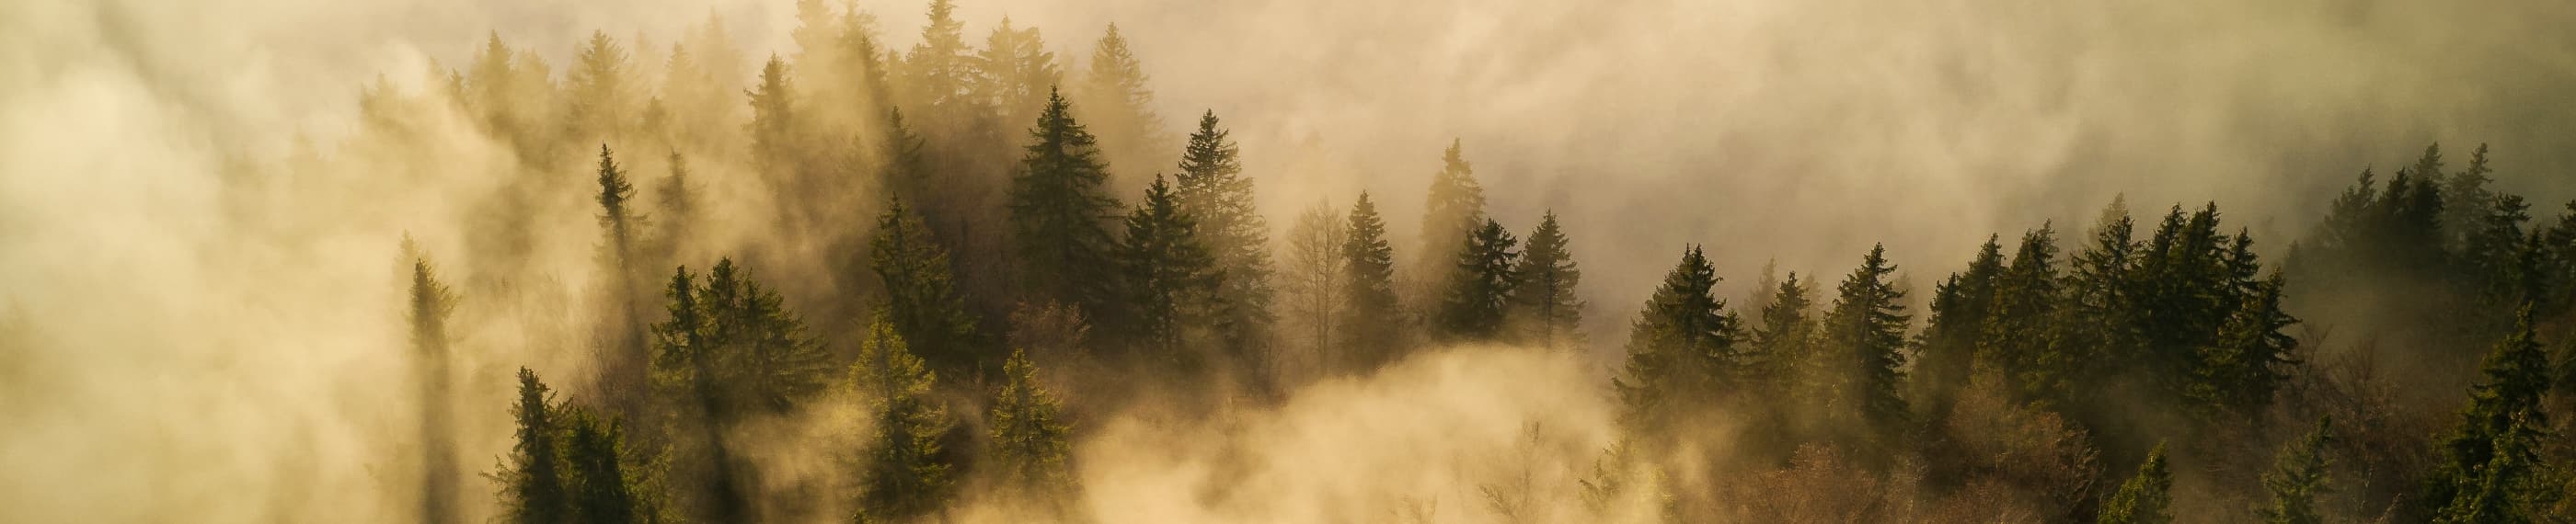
(1120, 104)
(2490, 469)
(677, 203)
(1454, 209)
(1781, 342)
(2237, 373)
(2298, 477)
(1171, 279)
(1058, 213)
(1960, 306)
(2146, 498)
(1029, 438)
(902, 476)
(625, 367)
(1473, 305)
(598, 98)
(1010, 70)
(2015, 336)
(1865, 342)
(431, 304)
(2463, 196)
(938, 69)
(922, 301)
(1681, 348)
(602, 486)
(1211, 188)
(774, 125)
(1544, 305)
(1372, 321)
(532, 477)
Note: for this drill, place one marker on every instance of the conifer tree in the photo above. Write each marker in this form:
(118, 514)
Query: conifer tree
(1372, 321)
(903, 476)
(626, 365)
(2490, 469)
(907, 173)
(1453, 211)
(1058, 213)
(1119, 103)
(734, 351)
(599, 98)
(1864, 336)
(2014, 338)
(1029, 439)
(1172, 279)
(1211, 189)
(1960, 306)
(2146, 498)
(922, 301)
(1010, 70)
(532, 477)
(1781, 342)
(677, 203)
(2298, 477)
(431, 304)
(1544, 304)
(775, 145)
(938, 69)
(1681, 348)
(1480, 287)
(2463, 196)
(602, 487)
(2238, 372)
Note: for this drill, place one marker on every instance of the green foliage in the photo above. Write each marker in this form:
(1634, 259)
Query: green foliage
(730, 350)
(605, 484)
(1864, 342)
(1030, 441)
(2298, 477)
(938, 69)
(2492, 469)
(1172, 280)
(775, 143)
(532, 477)
(922, 300)
(2146, 498)
(903, 476)
(1372, 321)
(1211, 188)
(1681, 348)
(1474, 303)
(1544, 306)
(2251, 358)
(1961, 304)
(1058, 213)
(1782, 343)
(2015, 336)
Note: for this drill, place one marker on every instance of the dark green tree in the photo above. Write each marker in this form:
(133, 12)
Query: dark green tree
(2464, 198)
(1864, 342)
(604, 486)
(1782, 342)
(922, 300)
(1211, 188)
(2146, 498)
(2014, 339)
(1058, 216)
(2491, 469)
(532, 477)
(1473, 305)
(2298, 477)
(1372, 322)
(903, 476)
(1681, 348)
(625, 367)
(1171, 279)
(1947, 348)
(2237, 373)
(732, 350)
(1545, 307)
(1030, 440)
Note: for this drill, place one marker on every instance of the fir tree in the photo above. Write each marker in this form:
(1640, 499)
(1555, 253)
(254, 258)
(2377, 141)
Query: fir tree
(902, 476)
(1372, 321)
(1029, 439)
(1480, 287)
(1681, 347)
(938, 68)
(1865, 338)
(1057, 214)
(1455, 208)
(602, 487)
(2463, 195)
(2490, 469)
(625, 367)
(532, 477)
(677, 203)
(2250, 359)
(2298, 477)
(1172, 280)
(1120, 104)
(1960, 307)
(431, 304)
(1781, 341)
(1010, 70)
(774, 143)
(922, 300)
(2015, 337)
(1544, 304)
(1211, 188)
(2146, 498)
(598, 99)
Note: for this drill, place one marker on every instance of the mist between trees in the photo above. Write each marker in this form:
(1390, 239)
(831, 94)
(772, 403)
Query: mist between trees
(972, 280)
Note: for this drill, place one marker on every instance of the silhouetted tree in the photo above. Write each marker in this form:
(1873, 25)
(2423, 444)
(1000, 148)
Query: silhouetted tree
(1372, 320)
(1473, 305)
(922, 301)
(1172, 280)
(1864, 336)
(1680, 348)
(1544, 304)
(903, 476)
(1058, 214)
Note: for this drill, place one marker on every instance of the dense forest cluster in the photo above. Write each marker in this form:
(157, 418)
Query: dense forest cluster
(961, 259)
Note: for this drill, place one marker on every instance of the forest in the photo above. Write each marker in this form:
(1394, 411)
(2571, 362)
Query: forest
(971, 279)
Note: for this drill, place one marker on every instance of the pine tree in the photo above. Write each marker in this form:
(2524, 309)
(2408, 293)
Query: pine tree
(922, 301)
(599, 98)
(1864, 336)
(2146, 498)
(2490, 469)
(1211, 188)
(1172, 279)
(602, 486)
(2250, 359)
(1473, 305)
(2298, 477)
(1057, 214)
(735, 351)
(775, 144)
(677, 202)
(1010, 70)
(938, 68)
(532, 479)
(1781, 342)
(1453, 211)
(1372, 320)
(625, 367)
(1544, 304)
(1960, 307)
(907, 173)
(431, 304)
(2015, 336)
(1120, 104)
(903, 476)
(1029, 439)
(1681, 348)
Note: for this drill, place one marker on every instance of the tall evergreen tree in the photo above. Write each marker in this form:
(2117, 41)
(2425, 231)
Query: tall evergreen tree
(938, 69)
(903, 476)
(532, 477)
(1681, 348)
(2298, 477)
(774, 125)
(2146, 498)
(625, 367)
(677, 203)
(599, 100)
(1473, 305)
(2238, 372)
(734, 351)
(1029, 438)
(2014, 338)
(1119, 103)
(1013, 66)
(1544, 304)
(1960, 306)
(1782, 341)
(1172, 279)
(2464, 194)
(2491, 469)
(431, 304)
(1372, 321)
(1058, 213)
(1864, 336)
(603, 487)
(922, 300)
(1453, 211)
(1211, 188)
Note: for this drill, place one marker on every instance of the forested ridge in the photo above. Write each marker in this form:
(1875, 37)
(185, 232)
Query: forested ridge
(869, 284)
